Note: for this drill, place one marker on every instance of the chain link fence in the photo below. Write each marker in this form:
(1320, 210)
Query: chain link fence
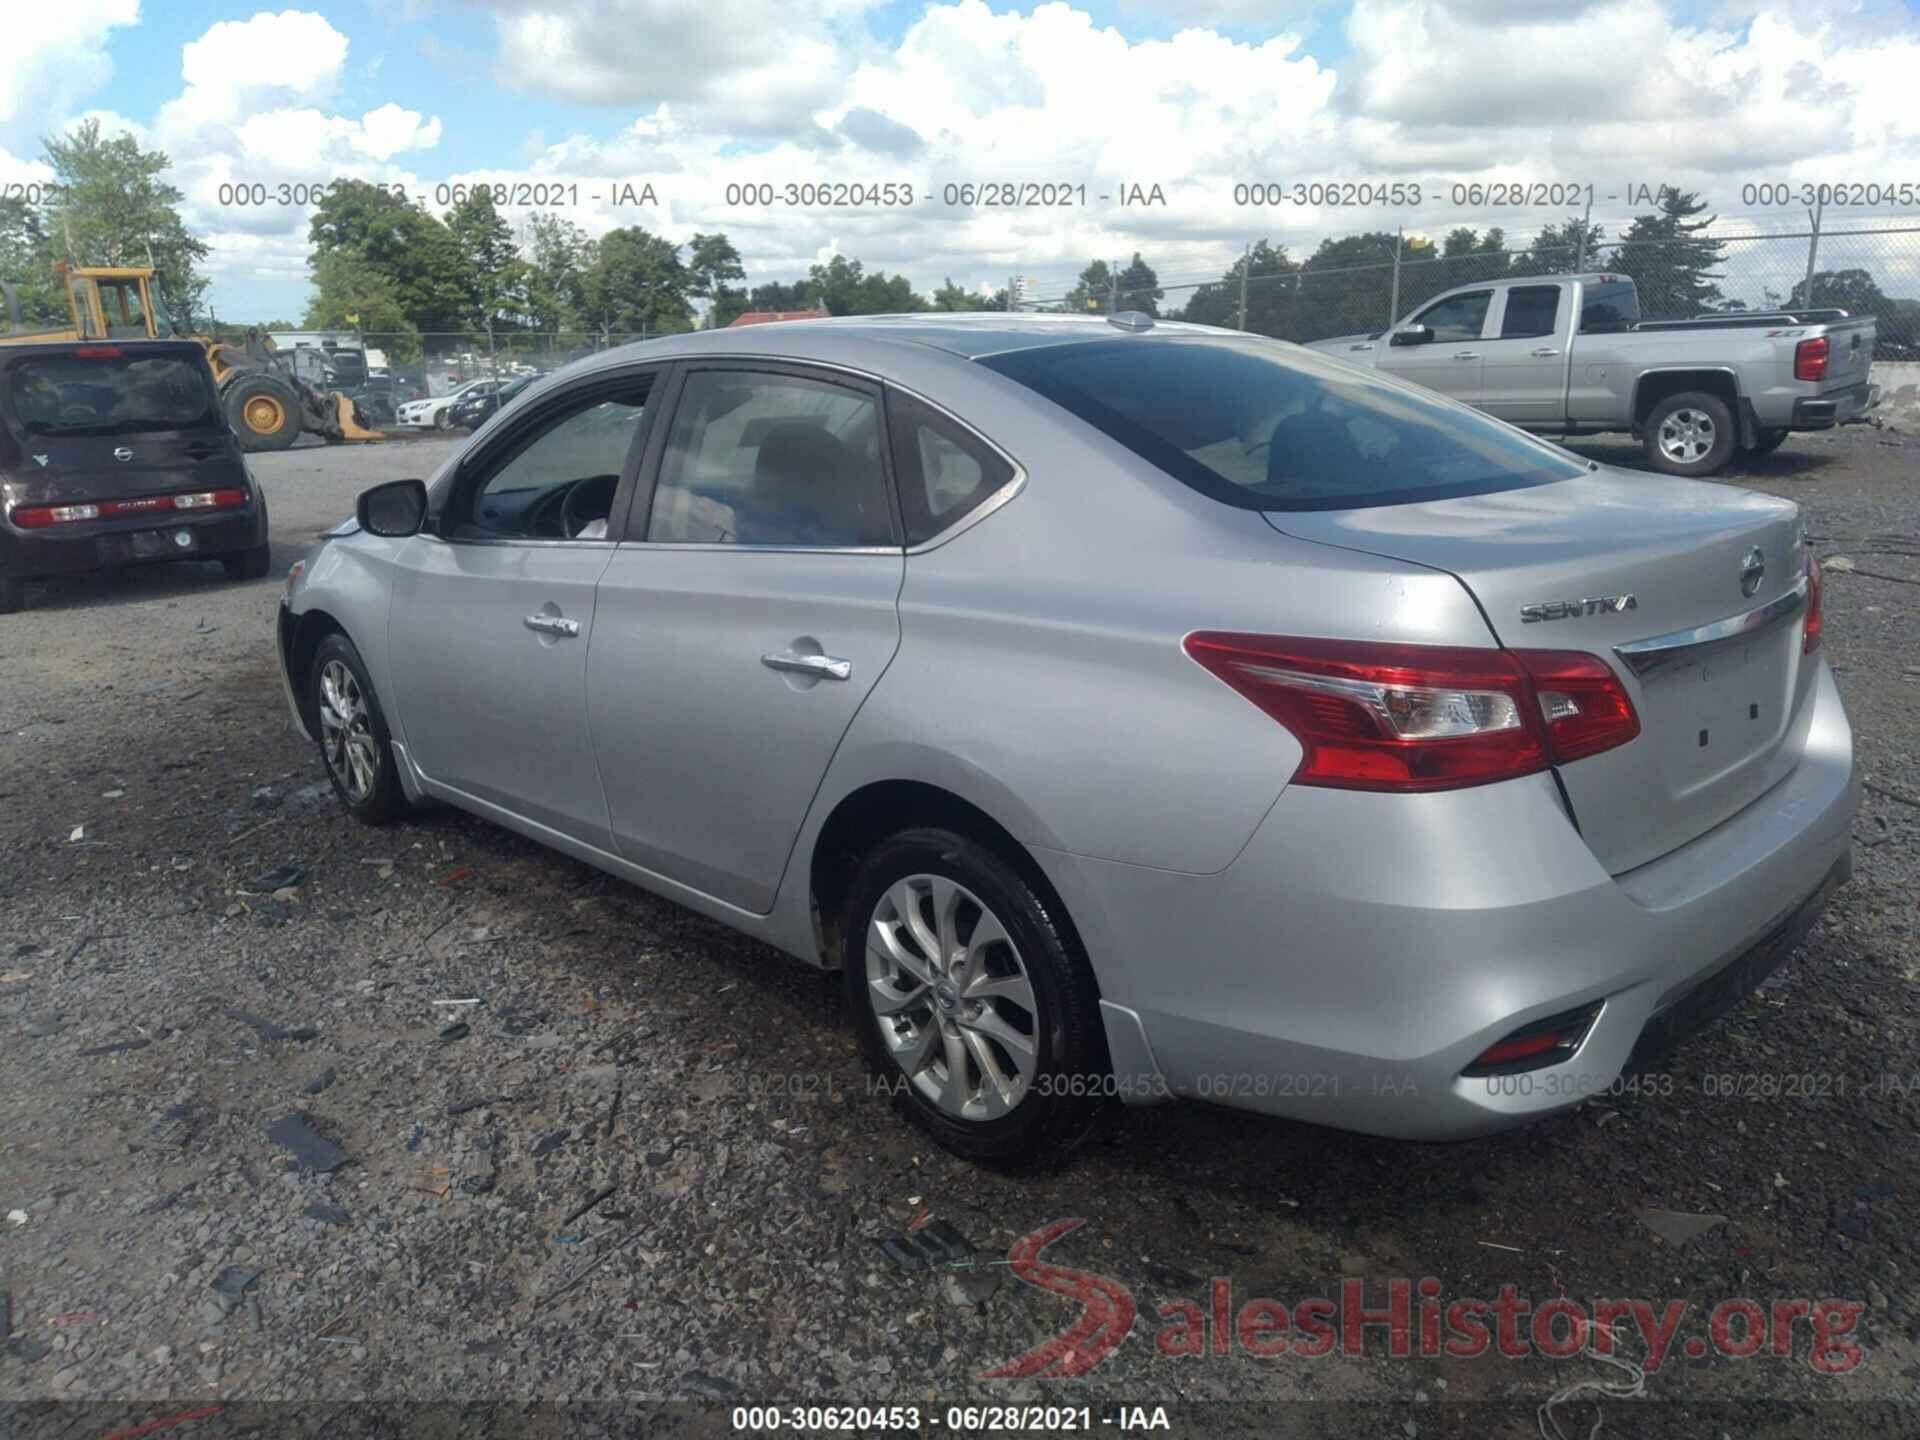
(1865, 272)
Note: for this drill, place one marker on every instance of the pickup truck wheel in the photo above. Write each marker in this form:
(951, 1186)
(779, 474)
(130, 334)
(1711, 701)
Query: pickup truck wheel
(1769, 441)
(1690, 434)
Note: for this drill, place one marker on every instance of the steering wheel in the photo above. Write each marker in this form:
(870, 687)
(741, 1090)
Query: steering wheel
(586, 501)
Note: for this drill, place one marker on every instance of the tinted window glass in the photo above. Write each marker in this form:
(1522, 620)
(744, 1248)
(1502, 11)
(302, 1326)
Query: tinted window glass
(1531, 310)
(110, 395)
(764, 459)
(558, 485)
(1609, 305)
(1273, 427)
(944, 470)
(1458, 317)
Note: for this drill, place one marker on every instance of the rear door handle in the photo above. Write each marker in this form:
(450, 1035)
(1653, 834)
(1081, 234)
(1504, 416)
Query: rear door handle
(821, 667)
(1466, 354)
(553, 625)
(1545, 352)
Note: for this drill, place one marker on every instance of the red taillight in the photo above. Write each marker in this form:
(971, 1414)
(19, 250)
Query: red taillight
(1373, 716)
(98, 352)
(1810, 623)
(1551, 1041)
(1810, 359)
(38, 517)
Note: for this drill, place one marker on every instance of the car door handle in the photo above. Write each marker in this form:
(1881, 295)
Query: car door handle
(821, 667)
(553, 625)
(1545, 352)
(1466, 354)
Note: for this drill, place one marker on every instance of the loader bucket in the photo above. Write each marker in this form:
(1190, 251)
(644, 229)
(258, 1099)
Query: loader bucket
(350, 428)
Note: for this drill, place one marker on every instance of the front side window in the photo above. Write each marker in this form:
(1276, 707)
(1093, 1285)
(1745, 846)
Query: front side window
(1267, 426)
(1532, 311)
(112, 393)
(1458, 317)
(559, 483)
(944, 471)
(756, 458)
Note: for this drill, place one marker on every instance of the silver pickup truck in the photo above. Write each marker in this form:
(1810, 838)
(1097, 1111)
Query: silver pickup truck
(1570, 355)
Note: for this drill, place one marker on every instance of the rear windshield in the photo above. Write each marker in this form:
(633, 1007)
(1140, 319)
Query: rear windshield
(1270, 427)
(109, 394)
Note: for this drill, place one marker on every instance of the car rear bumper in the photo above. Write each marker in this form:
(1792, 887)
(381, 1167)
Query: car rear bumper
(87, 547)
(1836, 407)
(1364, 949)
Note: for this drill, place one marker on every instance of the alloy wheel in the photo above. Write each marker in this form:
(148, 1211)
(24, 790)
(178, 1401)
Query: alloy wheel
(952, 998)
(346, 731)
(1686, 436)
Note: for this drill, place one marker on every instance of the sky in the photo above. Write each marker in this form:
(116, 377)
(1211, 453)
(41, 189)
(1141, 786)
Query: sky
(691, 97)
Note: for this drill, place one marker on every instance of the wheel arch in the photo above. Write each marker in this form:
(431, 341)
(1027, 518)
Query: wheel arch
(310, 627)
(1654, 386)
(864, 816)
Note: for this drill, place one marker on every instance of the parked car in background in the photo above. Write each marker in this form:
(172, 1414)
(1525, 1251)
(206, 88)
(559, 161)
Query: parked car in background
(1126, 708)
(118, 454)
(1570, 355)
(431, 411)
(473, 409)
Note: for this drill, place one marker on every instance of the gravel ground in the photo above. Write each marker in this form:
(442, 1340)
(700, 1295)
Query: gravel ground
(645, 1164)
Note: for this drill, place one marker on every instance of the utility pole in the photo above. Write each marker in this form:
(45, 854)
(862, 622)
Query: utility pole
(1113, 287)
(1586, 224)
(1013, 291)
(1246, 264)
(1813, 246)
(1393, 305)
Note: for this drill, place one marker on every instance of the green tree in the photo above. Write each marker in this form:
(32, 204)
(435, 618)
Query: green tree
(26, 262)
(495, 274)
(1093, 291)
(350, 293)
(1670, 256)
(1855, 291)
(401, 241)
(782, 295)
(1140, 287)
(711, 263)
(558, 254)
(113, 208)
(1346, 285)
(637, 284)
(1272, 301)
(845, 287)
(954, 297)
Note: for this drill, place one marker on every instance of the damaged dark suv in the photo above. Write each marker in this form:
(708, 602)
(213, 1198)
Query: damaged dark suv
(118, 454)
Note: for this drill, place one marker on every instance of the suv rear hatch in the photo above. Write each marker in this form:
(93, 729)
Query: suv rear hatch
(1652, 575)
(89, 424)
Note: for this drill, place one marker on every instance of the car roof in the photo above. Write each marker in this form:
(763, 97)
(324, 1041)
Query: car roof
(970, 336)
(185, 349)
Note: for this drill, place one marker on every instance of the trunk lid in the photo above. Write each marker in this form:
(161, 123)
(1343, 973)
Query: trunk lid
(1605, 563)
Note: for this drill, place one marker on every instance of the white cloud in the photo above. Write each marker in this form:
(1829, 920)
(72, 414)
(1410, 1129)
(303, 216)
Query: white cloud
(55, 56)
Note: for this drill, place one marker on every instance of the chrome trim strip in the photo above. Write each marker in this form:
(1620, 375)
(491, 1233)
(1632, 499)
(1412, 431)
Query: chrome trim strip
(1644, 656)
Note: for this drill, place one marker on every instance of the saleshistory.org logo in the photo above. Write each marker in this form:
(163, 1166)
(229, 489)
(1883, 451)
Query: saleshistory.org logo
(1414, 1319)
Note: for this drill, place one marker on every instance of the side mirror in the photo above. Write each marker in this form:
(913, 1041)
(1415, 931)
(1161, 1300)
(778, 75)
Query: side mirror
(396, 509)
(1412, 335)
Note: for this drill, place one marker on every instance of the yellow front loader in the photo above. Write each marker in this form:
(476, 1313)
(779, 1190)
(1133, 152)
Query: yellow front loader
(266, 398)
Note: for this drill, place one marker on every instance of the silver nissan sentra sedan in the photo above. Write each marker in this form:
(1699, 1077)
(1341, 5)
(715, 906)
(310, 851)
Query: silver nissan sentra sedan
(1130, 710)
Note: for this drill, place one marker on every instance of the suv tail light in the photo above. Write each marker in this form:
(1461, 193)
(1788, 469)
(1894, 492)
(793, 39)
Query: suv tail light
(1810, 359)
(1373, 716)
(1552, 1041)
(1810, 622)
(39, 517)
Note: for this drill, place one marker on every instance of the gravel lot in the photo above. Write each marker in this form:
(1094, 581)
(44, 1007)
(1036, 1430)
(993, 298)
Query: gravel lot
(164, 999)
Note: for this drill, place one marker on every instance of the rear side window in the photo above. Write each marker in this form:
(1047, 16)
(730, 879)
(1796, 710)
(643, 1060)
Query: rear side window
(1609, 305)
(944, 470)
(757, 458)
(1532, 310)
(1267, 426)
(111, 393)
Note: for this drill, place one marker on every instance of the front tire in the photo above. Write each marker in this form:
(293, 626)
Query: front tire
(262, 409)
(355, 745)
(973, 1003)
(1691, 434)
(442, 420)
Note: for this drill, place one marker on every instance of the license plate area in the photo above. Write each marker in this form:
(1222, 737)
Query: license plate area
(173, 543)
(1720, 707)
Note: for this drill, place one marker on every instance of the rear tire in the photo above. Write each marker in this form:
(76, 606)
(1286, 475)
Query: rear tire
(355, 745)
(1769, 441)
(263, 410)
(1690, 434)
(13, 594)
(251, 564)
(994, 1048)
